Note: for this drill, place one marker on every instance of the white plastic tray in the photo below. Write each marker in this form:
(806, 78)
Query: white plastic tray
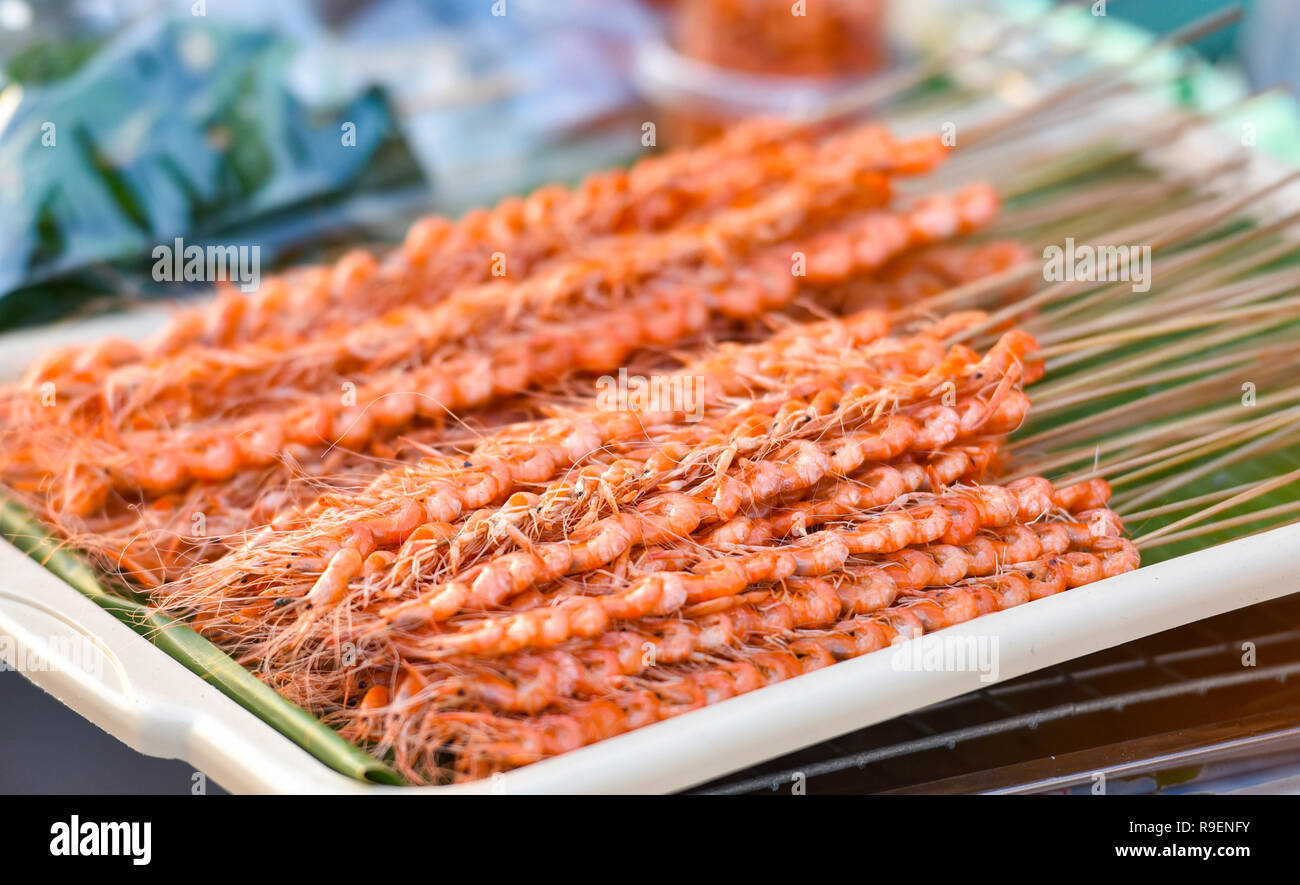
(151, 702)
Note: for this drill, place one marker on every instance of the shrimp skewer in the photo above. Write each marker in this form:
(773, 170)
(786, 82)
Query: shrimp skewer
(620, 263)
(595, 666)
(440, 254)
(501, 742)
(606, 539)
(417, 556)
(954, 518)
(393, 400)
(444, 494)
(609, 538)
(490, 584)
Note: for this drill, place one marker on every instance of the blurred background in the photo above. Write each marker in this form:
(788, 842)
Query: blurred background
(300, 126)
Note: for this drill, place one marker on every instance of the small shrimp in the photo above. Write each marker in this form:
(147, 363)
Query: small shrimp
(605, 542)
(667, 518)
(734, 531)
(1082, 568)
(813, 601)
(965, 519)
(820, 554)
(394, 524)
(659, 593)
(866, 590)
(156, 471)
(330, 587)
(1034, 495)
(1091, 494)
(1045, 578)
(1011, 588)
(980, 411)
(1020, 544)
(508, 575)
(1119, 556)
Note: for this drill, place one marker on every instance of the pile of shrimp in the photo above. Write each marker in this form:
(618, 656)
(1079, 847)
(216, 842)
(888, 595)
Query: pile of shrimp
(572, 578)
(386, 486)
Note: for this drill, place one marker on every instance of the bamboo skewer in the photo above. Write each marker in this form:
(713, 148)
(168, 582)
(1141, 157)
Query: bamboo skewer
(1162, 458)
(1128, 365)
(1249, 494)
(1265, 443)
(1185, 503)
(1245, 519)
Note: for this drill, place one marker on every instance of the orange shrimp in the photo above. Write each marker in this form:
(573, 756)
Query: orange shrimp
(329, 588)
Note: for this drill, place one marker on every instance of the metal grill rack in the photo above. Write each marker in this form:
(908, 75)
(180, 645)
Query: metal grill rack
(1176, 711)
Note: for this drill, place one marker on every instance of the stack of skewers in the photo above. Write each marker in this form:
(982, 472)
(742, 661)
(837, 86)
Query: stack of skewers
(150, 455)
(378, 485)
(570, 579)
